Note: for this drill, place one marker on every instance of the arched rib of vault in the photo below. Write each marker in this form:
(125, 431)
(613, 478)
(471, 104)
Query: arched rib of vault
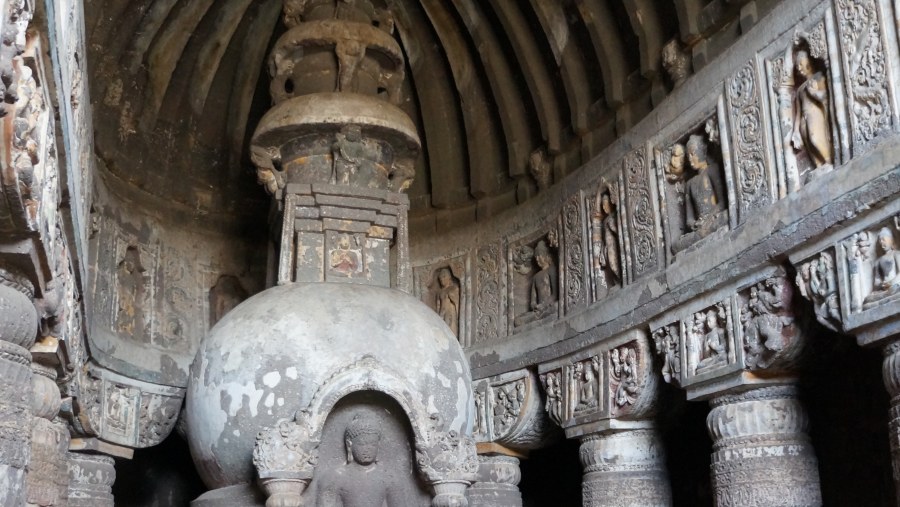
(689, 19)
(645, 22)
(511, 106)
(534, 69)
(552, 18)
(438, 105)
(608, 45)
(487, 166)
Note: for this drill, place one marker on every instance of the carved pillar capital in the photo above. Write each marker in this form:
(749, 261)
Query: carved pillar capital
(761, 452)
(91, 477)
(285, 458)
(624, 467)
(497, 483)
(509, 411)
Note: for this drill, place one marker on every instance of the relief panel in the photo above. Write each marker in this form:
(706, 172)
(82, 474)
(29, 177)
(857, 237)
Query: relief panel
(443, 286)
(606, 242)
(533, 278)
(643, 246)
(574, 281)
(490, 291)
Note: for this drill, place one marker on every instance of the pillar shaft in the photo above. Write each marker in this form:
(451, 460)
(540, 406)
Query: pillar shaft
(761, 452)
(497, 484)
(624, 468)
(891, 373)
(90, 480)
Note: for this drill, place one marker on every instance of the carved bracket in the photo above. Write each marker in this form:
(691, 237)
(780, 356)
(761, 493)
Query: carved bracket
(509, 410)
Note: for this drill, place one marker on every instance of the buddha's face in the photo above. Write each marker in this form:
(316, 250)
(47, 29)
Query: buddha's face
(886, 242)
(803, 66)
(543, 261)
(696, 160)
(364, 448)
(605, 204)
(444, 278)
(711, 320)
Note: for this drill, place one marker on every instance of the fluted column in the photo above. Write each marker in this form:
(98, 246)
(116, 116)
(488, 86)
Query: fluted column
(624, 468)
(761, 452)
(18, 327)
(891, 372)
(91, 477)
(497, 484)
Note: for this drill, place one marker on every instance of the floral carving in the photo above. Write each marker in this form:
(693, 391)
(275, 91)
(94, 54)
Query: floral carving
(488, 298)
(574, 255)
(447, 456)
(749, 144)
(288, 449)
(641, 214)
(865, 68)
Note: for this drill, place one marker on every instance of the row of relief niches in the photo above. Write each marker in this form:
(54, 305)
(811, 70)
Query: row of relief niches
(804, 105)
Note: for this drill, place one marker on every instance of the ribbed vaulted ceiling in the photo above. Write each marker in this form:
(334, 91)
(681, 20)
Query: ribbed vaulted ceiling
(179, 85)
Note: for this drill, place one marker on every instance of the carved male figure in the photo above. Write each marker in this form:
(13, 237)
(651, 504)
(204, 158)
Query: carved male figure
(811, 130)
(608, 253)
(543, 287)
(587, 395)
(886, 279)
(701, 201)
(344, 260)
(361, 482)
(448, 299)
(625, 370)
(553, 405)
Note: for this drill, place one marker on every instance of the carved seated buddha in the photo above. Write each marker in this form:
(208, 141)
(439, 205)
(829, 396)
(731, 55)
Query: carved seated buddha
(886, 279)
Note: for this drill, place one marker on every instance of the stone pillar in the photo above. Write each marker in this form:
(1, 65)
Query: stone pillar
(497, 484)
(761, 452)
(18, 328)
(891, 373)
(625, 468)
(48, 477)
(91, 477)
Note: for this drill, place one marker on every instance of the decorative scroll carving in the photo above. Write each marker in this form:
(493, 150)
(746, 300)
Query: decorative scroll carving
(285, 457)
(866, 69)
(488, 296)
(817, 281)
(641, 214)
(605, 259)
(749, 142)
(574, 276)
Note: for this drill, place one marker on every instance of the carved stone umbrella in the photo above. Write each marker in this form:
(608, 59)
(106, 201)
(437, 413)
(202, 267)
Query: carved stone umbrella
(273, 383)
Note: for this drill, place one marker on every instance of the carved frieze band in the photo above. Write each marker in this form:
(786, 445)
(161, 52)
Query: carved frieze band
(612, 380)
(751, 329)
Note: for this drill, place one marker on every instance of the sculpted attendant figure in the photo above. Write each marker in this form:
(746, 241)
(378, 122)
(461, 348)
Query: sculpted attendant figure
(887, 270)
(713, 342)
(811, 129)
(701, 198)
(361, 482)
(543, 287)
(610, 236)
(448, 299)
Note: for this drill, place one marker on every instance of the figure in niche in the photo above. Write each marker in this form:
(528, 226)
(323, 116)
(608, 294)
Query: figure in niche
(349, 54)
(764, 321)
(478, 425)
(886, 283)
(817, 282)
(447, 300)
(811, 128)
(553, 405)
(702, 197)
(587, 397)
(544, 296)
(714, 338)
(361, 482)
(605, 237)
(130, 293)
(675, 167)
(344, 260)
(624, 371)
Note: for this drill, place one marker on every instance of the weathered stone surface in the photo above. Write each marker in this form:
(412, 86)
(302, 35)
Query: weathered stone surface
(497, 483)
(91, 477)
(624, 468)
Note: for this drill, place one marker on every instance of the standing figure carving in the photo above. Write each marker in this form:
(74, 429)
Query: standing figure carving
(702, 198)
(447, 301)
(811, 127)
(553, 405)
(605, 238)
(361, 481)
(886, 275)
(624, 371)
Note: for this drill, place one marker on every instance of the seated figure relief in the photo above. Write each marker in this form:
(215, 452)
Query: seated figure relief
(543, 294)
(886, 271)
(361, 481)
(703, 197)
(713, 342)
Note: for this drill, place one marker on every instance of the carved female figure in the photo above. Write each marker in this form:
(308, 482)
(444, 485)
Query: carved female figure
(553, 405)
(886, 271)
(448, 299)
(811, 129)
